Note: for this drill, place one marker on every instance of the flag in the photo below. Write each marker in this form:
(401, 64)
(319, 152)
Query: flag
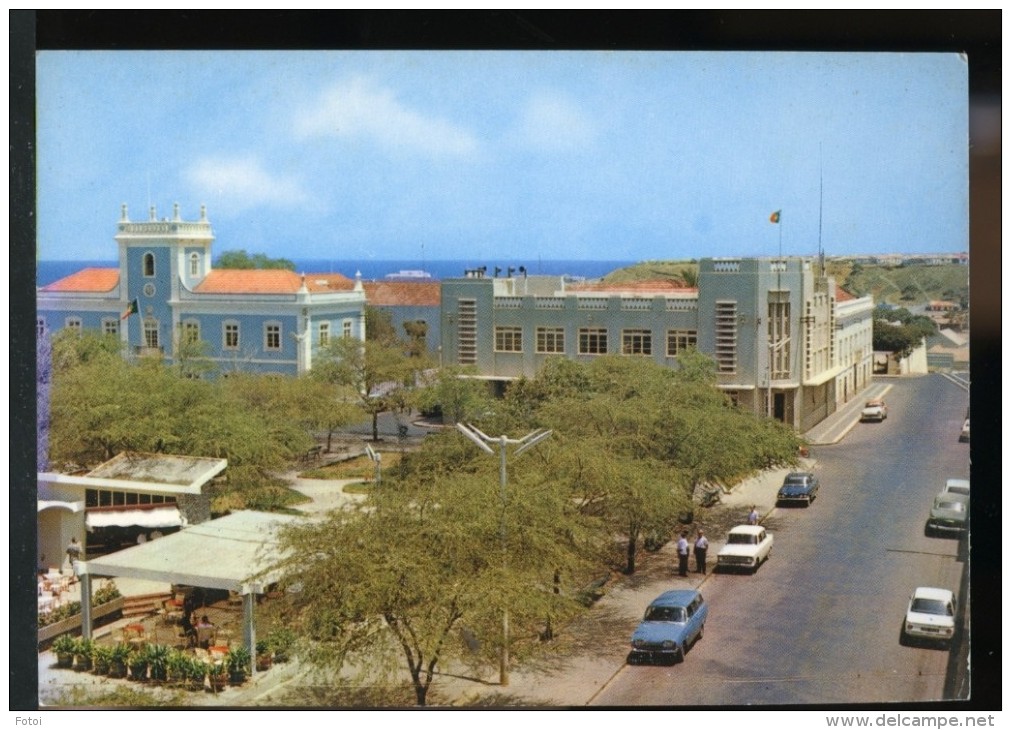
(774, 218)
(132, 309)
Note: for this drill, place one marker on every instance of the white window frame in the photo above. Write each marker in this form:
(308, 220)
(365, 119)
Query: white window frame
(194, 265)
(550, 340)
(271, 330)
(347, 329)
(190, 330)
(508, 338)
(597, 335)
(637, 341)
(74, 323)
(151, 333)
(40, 326)
(229, 327)
(110, 326)
(324, 334)
(680, 340)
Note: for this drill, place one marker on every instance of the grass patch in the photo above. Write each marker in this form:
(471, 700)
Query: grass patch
(360, 467)
(265, 498)
(357, 488)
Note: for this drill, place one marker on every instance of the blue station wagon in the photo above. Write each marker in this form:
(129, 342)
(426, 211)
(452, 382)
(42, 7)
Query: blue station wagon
(673, 622)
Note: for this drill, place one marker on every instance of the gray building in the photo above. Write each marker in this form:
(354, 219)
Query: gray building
(783, 343)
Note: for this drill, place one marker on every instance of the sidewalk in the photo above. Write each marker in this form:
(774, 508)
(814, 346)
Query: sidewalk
(838, 424)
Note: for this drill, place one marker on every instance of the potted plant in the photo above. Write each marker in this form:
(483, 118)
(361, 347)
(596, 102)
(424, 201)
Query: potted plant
(217, 675)
(138, 665)
(280, 641)
(263, 655)
(157, 661)
(196, 673)
(63, 647)
(237, 661)
(176, 664)
(82, 654)
(119, 655)
(100, 658)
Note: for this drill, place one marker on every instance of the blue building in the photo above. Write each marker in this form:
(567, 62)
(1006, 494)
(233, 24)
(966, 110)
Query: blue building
(165, 293)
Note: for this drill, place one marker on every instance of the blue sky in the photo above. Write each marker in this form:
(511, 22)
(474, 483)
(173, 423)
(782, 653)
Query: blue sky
(456, 155)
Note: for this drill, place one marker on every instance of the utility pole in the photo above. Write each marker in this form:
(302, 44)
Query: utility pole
(482, 441)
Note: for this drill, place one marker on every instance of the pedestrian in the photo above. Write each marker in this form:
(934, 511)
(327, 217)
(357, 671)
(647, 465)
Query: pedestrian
(73, 552)
(701, 546)
(682, 547)
(753, 516)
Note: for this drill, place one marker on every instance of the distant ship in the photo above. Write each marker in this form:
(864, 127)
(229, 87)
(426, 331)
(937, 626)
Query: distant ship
(411, 274)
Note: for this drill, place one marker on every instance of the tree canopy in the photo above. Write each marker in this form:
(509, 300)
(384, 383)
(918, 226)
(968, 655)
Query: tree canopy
(239, 259)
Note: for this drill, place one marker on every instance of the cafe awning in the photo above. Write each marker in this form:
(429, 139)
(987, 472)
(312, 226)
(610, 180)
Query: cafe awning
(167, 516)
(235, 553)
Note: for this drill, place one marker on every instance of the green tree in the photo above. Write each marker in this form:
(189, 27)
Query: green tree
(377, 373)
(239, 259)
(418, 577)
(456, 396)
(379, 326)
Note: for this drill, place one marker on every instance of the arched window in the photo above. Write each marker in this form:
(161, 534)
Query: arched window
(194, 265)
(149, 264)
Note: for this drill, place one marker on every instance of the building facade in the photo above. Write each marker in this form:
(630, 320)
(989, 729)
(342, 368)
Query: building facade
(165, 294)
(783, 344)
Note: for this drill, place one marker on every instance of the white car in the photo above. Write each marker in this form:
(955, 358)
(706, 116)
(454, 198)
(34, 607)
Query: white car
(930, 616)
(747, 547)
(874, 410)
(964, 435)
(958, 486)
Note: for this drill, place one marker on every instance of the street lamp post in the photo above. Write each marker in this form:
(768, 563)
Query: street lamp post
(482, 441)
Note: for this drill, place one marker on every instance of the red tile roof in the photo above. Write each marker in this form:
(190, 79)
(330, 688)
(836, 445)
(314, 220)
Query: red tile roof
(328, 282)
(269, 281)
(86, 280)
(646, 286)
(403, 293)
(841, 295)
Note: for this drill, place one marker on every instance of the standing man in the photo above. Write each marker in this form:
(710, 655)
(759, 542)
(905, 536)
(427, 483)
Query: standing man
(753, 516)
(701, 546)
(682, 547)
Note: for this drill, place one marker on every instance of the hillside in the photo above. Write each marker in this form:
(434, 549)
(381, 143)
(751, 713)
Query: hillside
(903, 285)
(912, 285)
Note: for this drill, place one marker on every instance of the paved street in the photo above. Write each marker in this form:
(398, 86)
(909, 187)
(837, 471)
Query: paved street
(817, 624)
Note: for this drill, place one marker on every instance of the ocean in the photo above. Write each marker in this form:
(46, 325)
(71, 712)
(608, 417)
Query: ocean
(49, 271)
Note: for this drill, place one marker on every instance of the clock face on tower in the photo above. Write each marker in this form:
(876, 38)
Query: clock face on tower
(149, 290)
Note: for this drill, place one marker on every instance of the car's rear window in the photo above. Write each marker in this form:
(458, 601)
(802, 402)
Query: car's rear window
(741, 539)
(797, 481)
(953, 506)
(665, 613)
(932, 606)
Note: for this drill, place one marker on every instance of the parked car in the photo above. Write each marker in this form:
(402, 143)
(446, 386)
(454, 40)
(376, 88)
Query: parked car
(958, 486)
(747, 547)
(874, 410)
(930, 616)
(798, 486)
(672, 623)
(949, 515)
(964, 436)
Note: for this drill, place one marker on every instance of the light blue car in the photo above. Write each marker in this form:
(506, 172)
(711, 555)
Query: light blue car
(674, 621)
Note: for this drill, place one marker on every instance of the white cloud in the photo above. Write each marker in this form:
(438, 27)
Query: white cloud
(551, 122)
(241, 183)
(359, 108)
